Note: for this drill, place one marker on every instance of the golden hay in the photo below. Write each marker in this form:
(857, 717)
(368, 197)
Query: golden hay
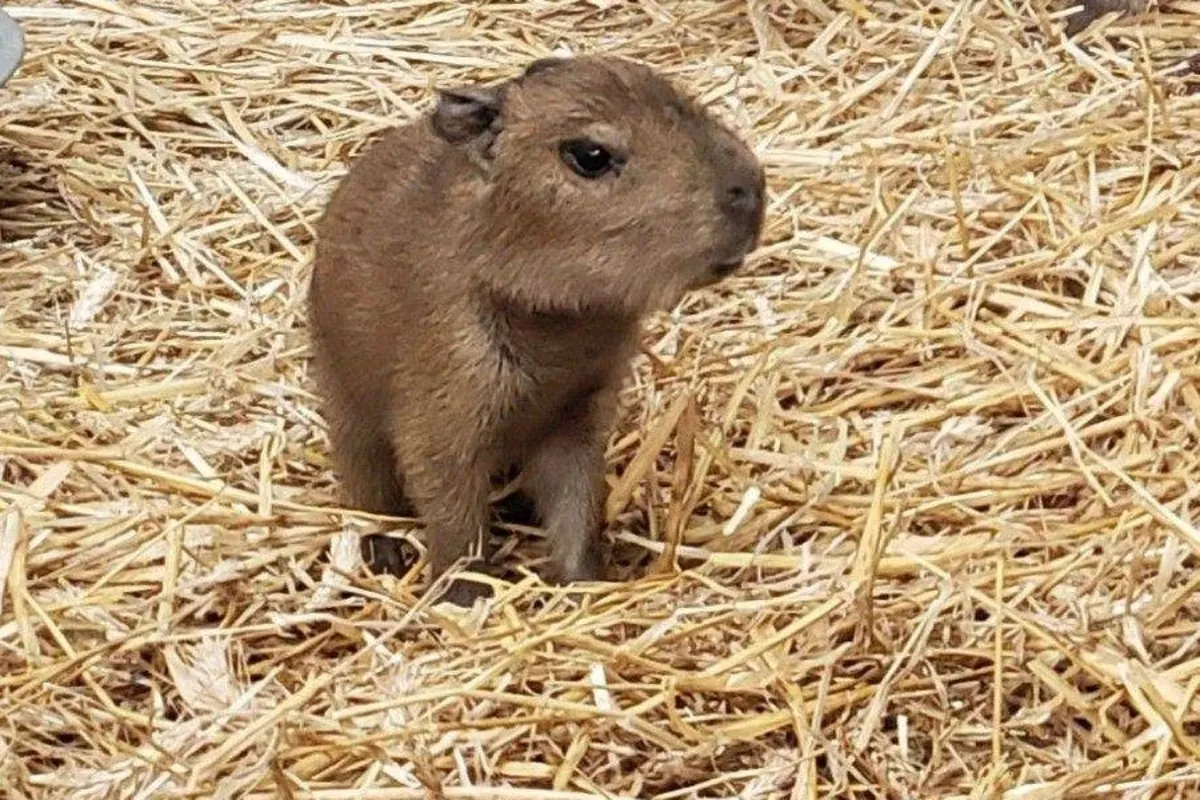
(928, 470)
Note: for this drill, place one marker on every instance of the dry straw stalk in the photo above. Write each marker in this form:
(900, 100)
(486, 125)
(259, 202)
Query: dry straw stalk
(908, 510)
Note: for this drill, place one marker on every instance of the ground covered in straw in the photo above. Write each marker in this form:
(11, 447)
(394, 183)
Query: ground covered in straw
(916, 492)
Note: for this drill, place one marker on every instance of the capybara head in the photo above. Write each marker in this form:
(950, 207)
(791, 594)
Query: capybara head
(601, 186)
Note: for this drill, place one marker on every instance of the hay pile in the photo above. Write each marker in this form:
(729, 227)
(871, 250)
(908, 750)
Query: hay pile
(929, 468)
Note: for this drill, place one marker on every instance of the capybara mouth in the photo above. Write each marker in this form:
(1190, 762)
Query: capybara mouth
(724, 269)
(716, 272)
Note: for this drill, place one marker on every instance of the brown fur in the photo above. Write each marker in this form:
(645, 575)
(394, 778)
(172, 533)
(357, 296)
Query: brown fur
(475, 303)
(1095, 9)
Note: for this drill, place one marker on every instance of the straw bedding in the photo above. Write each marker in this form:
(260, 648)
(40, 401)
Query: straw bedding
(907, 510)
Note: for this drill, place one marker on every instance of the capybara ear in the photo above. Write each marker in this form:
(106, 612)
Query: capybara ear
(465, 113)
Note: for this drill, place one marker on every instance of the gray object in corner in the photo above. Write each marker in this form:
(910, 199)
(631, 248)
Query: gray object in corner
(12, 46)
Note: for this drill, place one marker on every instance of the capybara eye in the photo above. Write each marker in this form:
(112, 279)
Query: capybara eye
(586, 158)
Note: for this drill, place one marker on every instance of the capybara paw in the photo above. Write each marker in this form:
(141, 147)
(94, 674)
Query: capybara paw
(388, 556)
(465, 591)
(590, 565)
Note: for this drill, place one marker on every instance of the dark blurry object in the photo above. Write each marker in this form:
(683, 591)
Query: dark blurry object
(1095, 9)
